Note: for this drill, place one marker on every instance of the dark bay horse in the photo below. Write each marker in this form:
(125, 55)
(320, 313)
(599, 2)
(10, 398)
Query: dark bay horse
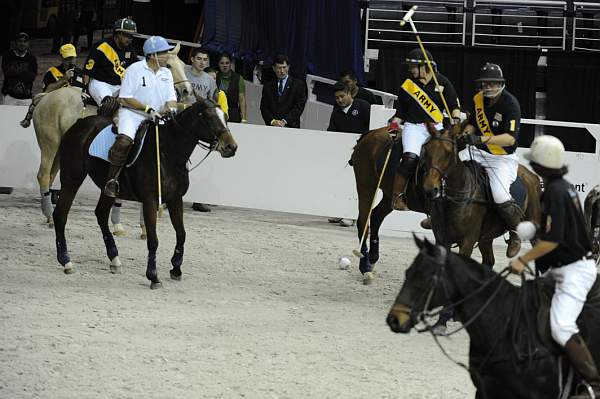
(461, 212)
(202, 122)
(511, 354)
(365, 162)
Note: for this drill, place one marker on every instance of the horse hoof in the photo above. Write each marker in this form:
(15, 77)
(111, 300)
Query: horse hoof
(115, 265)
(154, 285)
(175, 276)
(119, 230)
(69, 268)
(368, 278)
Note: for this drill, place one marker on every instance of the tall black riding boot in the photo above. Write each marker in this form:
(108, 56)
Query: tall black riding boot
(117, 158)
(582, 360)
(512, 215)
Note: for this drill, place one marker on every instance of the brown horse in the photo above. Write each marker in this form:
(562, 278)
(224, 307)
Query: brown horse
(203, 122)
(58, 110)
(365, 159)
(461, 211)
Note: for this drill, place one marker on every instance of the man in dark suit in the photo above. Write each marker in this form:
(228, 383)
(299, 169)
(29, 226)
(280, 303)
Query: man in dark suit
(283, 99)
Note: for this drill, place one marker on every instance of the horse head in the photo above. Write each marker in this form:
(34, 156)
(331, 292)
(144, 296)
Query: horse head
(421, 290)
(213, 128)
(182, 84)
(439, 155)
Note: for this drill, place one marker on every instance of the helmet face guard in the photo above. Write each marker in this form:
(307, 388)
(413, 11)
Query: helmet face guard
(416, 58)
(491, 88)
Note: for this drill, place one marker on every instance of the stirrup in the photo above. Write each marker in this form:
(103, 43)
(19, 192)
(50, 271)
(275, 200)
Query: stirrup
(111, 188)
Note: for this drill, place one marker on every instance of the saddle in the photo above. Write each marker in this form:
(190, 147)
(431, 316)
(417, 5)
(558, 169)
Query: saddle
(101, 144)
(517, 189)
(138, 141)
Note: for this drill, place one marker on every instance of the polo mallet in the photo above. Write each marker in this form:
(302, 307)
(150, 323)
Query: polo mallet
(408, 18)
(357, 252)
(158, 171)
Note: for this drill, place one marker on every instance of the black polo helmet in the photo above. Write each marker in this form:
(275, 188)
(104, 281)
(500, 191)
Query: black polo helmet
(125, 25)
(490, 73)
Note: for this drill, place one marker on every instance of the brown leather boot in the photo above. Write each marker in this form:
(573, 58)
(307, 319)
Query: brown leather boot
(117, 158)
(582, 360)
(511, 213)
(398, 202)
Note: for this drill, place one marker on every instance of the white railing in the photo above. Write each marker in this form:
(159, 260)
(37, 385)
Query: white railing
(586, 30)
(523, 24)
(386, 98)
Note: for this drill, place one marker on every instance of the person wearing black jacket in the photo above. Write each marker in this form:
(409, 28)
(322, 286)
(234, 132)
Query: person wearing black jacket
(283, 99)
(349, 115)
(20, 68)
(563, 253)
(349, 79)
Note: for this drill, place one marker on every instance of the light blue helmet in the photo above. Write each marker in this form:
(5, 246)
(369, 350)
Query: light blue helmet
(156, 44)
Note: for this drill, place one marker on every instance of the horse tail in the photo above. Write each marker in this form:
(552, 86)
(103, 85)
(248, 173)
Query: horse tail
(109, 106)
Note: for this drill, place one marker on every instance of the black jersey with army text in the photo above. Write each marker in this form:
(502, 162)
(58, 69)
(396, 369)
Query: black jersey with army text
(55, 73)
(409, 110)
(107, 62)
(562, 223)
(504, 116)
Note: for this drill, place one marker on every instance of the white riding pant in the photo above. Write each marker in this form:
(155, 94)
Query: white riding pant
(414, 135)
(129, 121)
(98, 90)
(9, 100)
(501, 170)
(573, 283)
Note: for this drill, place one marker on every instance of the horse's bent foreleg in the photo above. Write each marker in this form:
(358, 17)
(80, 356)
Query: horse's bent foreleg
(176, 215)
(150, 208)
(379, 213)
(487, 252)
(69, 189)
(102, 211)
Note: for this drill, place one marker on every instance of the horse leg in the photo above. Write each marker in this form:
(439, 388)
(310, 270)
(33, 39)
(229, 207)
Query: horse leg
(150, 207)
(115, 219)
(487, 253)
(43, 177)
(176, 215)
(143, 233)
(379, 213)
(102, 211)
(365, 267)
(59, 216)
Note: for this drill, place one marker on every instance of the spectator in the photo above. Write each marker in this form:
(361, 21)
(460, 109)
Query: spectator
(349, 78)
(234, 87)
(221, 96)
(65, 20)
(283, 99)
(63, 75)
(86, 24)
(350, 115)
(19, 67)
(204, 86)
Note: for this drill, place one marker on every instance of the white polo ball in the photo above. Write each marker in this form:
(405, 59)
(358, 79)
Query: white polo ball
(344, 263)
(526, 230)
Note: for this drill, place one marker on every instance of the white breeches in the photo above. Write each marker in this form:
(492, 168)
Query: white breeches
(414, 135)
(98, 90)
(501, 170)
(129, 121)
(573, 282)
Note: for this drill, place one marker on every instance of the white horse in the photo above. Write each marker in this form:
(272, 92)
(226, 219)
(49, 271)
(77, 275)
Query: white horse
(58, 110)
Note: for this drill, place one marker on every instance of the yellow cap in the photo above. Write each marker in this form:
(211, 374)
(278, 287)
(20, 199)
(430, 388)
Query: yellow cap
(68, 50)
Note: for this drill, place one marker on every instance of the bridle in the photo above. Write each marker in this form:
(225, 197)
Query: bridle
(214, 141)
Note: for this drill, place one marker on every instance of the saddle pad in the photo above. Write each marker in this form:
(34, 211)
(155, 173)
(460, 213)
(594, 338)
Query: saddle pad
(105, 139)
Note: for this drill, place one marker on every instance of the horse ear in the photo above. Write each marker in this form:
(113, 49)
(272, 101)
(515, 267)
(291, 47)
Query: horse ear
(418, 241)
(175, 50)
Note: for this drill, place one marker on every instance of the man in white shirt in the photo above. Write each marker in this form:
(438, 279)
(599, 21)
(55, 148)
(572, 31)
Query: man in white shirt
(147, 88)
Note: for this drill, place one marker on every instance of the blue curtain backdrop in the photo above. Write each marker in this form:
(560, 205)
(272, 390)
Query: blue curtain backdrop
(320, 37)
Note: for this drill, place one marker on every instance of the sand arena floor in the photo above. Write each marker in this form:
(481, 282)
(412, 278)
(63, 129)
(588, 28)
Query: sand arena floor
(263, 311)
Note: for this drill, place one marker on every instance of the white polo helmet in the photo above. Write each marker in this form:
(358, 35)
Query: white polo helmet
(547, 151)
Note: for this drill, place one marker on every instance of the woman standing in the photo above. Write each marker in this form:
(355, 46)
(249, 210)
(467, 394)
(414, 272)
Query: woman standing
(234, 87)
